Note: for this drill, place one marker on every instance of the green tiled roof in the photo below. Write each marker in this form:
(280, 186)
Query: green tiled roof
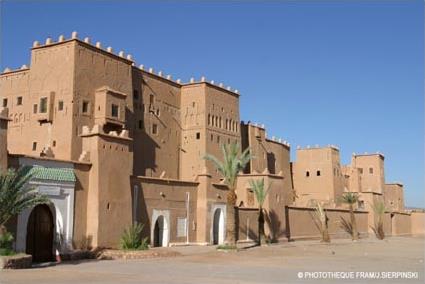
(55, 174)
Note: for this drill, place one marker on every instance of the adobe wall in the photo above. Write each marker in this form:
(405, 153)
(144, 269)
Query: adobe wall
(318, 176)
(111, 157)
(417, 220)
(166, 195)
(277, 198)
(94, 69)
(223, 105)
(156, 103)
(194, 131)
(247, 224)
(50, 76)
(80, 237)
(372, 175)
(401, 224)
(394, 197)
(302, 226)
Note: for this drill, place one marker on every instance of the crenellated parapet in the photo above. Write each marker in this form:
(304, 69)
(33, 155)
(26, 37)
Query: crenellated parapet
(212, 83)
(317, 146)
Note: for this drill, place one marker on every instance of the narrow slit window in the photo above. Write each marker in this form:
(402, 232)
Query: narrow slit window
(43, 105)
(60, 105)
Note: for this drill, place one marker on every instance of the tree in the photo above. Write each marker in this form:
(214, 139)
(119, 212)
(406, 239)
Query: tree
(233, 163)
(321, 221)
(351, 198)
(378, 228)
(16, 195)
(260, 195)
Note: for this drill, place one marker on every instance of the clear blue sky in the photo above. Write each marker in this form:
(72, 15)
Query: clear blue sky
(331, 72)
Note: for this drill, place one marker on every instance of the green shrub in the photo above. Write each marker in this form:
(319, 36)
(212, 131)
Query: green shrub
(6, 240)
(6, 243)
(227, 247)
(131, 239)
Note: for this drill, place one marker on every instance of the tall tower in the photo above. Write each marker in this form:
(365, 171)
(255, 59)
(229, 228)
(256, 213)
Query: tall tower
(371, 171)
(210, 118)
(317, 175)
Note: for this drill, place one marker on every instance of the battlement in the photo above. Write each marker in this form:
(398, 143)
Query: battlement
(8, 71)
(369, 154)
(87, 42)
(317, 147)
(212, 83)
(49, 42)
(273, 139)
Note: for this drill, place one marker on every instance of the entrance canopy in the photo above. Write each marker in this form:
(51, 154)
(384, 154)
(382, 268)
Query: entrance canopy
(52, 174)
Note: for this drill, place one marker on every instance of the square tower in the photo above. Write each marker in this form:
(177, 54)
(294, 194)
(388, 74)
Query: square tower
(209, 118)
(371, 171)
(317, 175)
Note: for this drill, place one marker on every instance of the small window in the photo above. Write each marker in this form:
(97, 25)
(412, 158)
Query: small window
(361, 171)
(114, 110)
(212, 137)
(151, 99)
(19, 101)
(307, 173)
(218, 139)
(4, 102)
(85, 107)
(154, 129)
(198, 135)
(34, 146)
(43, 105)
(140, 124)
(318, 173)
(193, 104)
(60, 105)
(54, 143)
(371, 170)
(35, 108)
(135, 94)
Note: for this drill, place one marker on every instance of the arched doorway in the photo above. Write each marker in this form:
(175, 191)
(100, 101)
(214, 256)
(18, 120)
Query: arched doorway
(40, 230)
(218, 227)
(160, 232)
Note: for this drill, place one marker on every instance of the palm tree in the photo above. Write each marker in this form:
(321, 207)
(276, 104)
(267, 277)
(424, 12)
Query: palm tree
(260, 194)
(378, 228)
(351, 198)
(16, 195)
(233, 162)
(321, 221)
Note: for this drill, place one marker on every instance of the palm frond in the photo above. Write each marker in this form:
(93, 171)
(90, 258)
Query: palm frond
(16, 195)
(349, 198)
(232, 163)
(259, 191)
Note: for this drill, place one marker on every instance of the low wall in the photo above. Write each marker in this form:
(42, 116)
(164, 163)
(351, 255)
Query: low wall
(401, 224)
(417, 220)
(301, 225)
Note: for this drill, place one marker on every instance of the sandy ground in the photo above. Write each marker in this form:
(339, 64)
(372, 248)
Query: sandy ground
(281, 263)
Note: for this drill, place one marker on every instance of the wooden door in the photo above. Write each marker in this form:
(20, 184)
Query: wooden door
(40, 234)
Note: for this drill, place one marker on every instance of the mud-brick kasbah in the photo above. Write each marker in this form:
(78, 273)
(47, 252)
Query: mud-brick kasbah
(111, 143)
